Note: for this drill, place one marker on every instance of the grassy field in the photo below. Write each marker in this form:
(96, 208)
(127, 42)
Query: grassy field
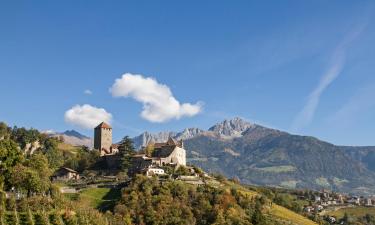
(354, 211)
(99, 198)
(288, 215)
(67, 148)
(277, 169)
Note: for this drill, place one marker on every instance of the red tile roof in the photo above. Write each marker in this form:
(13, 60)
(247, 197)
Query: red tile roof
(104, 125)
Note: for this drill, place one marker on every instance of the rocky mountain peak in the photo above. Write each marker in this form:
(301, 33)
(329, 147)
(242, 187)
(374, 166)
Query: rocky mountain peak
(147, 137)
(232, 127)
(188, 133)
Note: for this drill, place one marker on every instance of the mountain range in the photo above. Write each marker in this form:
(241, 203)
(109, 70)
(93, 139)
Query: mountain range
(264, 156)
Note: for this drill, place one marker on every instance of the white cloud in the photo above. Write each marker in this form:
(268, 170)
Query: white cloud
(307, 113)
(87, 92)
(87, 116)
(159, 104)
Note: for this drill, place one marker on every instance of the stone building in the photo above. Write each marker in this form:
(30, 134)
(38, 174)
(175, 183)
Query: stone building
(65, 174)
(169, 153)
(103, 140)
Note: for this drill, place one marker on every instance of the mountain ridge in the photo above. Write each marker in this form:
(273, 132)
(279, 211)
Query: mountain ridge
(263, 156)
(72, 137)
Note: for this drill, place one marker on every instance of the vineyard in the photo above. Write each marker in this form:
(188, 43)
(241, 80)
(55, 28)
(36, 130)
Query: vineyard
(42, 218)
(38, 218)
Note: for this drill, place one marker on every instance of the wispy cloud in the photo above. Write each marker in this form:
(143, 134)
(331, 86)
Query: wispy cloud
(336, 65)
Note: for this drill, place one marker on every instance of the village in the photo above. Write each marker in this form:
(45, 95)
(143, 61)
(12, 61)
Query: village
(325, 201)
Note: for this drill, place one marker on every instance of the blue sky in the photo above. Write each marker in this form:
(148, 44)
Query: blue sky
(307, 67)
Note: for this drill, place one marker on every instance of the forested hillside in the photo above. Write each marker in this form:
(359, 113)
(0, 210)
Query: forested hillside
(27, 195)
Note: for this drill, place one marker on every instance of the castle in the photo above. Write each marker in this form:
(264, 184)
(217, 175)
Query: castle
(171, 152)
(103, 140)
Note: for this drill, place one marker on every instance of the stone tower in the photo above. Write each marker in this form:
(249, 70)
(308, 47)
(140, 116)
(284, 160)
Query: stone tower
(103, 138)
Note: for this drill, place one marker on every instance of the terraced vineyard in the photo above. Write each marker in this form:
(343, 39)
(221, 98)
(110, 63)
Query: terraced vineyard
(39, 218)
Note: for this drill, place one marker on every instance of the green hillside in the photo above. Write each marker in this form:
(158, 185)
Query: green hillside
(264, 156)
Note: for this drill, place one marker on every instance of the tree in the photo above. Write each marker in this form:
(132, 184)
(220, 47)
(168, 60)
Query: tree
(4, 131)
(39, 163)
(258, 217)
(2, 207)
(29, 217)
(10, 155)
(149, 149)
(55, 158)
(127, 151)
(44, 217)
(347, 219)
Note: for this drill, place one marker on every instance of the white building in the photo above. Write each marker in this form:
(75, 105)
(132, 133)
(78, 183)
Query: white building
(170, 152)
(154, 171)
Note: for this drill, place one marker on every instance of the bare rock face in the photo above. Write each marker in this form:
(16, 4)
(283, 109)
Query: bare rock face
(31, 147)
(189, 133)
(232, 128)
(145, 138)
(227, 129)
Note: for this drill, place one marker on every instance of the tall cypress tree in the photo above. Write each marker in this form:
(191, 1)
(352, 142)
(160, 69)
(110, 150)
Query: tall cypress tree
(127, 151)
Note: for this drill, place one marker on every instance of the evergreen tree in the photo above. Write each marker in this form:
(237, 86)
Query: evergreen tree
(44, 218)
(258, 217)
(2, 207)
(127, 151)
(16, 218)
(29, 217)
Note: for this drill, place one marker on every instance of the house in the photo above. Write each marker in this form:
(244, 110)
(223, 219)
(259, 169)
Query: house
(140, 163)
(65, 174)
(354, 200)
(154, 171)
(308, 209)
(169, 153)
(368, 202)
(318, 208)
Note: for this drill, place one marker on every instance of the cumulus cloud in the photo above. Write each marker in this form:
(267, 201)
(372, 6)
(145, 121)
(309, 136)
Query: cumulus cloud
(159, 104)
(87, 116)
(335, 67)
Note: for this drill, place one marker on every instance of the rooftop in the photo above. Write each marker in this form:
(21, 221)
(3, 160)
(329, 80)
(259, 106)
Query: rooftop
(103, 125)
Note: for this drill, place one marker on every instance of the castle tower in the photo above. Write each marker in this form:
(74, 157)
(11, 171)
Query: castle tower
(103, 138)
